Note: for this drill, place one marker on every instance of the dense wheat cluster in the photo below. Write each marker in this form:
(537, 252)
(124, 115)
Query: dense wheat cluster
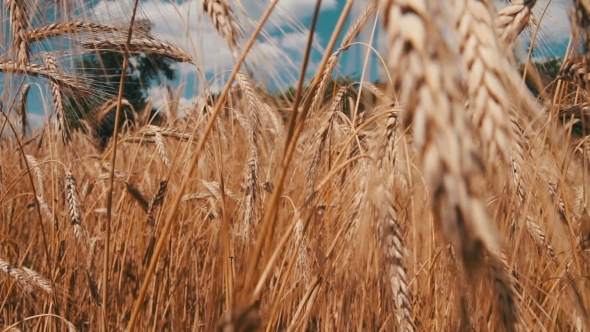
(452, 199)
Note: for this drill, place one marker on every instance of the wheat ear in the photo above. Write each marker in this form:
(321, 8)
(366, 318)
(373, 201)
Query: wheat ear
(161, 148)
(33, 69)
(157, 200)
(22, 109)
(512, 19)
(63, 28)
(19, 23)
(143, 44)
(431, 94)
(139, 197)
(251, 170)
(225, 22)
(394, 250)
(40, 186)
(74, 208)
(488, 99)
(26, 278)
(319, 139)
(60, 113)
(390, 231)
(348, 38)
(421, 66)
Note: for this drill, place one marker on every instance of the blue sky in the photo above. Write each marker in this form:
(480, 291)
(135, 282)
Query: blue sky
(276, 58)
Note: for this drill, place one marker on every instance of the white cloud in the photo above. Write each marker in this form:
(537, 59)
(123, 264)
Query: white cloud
(185, 25)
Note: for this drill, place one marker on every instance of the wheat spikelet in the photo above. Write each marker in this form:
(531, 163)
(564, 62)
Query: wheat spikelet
(60, 113)
(488, 100)
(377, 92)
(140, 45)
(19, 23)
(158, 198)
(512, 19)
(34, 165)
(225, 22)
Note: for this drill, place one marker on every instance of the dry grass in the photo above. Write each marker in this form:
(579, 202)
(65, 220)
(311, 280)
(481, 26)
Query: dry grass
(455, 201)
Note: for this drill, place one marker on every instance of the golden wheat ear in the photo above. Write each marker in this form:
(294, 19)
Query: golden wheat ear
(225, 22)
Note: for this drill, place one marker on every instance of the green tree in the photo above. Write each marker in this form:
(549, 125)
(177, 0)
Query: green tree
(103, 72)
(546, 70)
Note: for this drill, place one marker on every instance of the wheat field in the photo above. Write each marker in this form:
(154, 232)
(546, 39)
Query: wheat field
(450, 198)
